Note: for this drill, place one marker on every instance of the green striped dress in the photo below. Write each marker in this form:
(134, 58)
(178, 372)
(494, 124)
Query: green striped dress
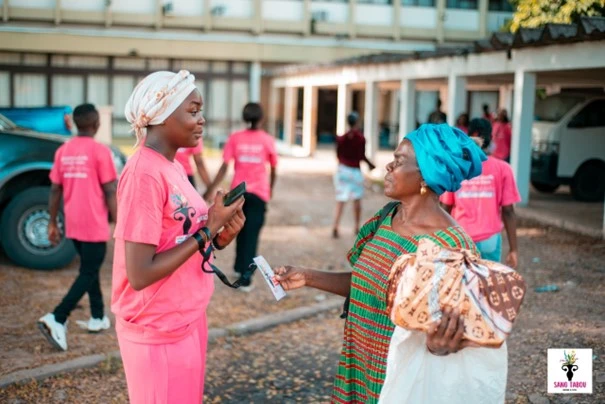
(368, 329)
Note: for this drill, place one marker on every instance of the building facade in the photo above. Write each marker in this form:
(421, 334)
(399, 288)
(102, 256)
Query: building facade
(65, 52)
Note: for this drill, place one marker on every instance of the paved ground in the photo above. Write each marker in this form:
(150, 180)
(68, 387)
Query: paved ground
(296, 362)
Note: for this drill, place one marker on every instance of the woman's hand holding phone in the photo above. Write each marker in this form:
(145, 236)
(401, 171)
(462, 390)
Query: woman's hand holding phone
(219, 214)
(232, 228)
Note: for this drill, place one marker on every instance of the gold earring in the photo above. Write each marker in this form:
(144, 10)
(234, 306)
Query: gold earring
(423, 190)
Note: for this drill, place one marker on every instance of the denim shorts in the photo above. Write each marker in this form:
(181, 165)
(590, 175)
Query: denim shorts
(491, 248)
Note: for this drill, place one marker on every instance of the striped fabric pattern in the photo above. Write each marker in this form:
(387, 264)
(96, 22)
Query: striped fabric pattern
(368, 328)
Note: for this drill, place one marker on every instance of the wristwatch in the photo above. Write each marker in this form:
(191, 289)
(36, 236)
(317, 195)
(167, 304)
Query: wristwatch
(215, 243)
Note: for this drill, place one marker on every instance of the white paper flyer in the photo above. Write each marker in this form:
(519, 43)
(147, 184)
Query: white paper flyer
(269, 276)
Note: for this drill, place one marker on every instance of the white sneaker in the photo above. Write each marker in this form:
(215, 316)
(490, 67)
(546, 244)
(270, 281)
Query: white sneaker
(246, 289)
(95, 324)
(55, 332)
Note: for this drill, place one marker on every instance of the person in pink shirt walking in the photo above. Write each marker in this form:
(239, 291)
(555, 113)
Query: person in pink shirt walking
(184, 155)
(164, 237)
(485, 204)
(83, 174)
(502, 136)
(251, 150)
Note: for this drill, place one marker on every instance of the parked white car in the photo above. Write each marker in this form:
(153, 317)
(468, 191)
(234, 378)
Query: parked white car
(568, 145)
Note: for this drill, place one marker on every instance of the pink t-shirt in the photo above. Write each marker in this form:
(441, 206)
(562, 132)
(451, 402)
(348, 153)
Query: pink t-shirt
(501, 135)
(183, 156)
(477, 205)
(157, 205)
(81, 167)
(251, 150)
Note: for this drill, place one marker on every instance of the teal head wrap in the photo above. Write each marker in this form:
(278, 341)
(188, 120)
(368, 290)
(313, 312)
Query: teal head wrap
(446, 156)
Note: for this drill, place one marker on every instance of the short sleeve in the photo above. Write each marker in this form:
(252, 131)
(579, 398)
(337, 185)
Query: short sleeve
(55, 175)
(448, 198)
(271, 151)
(106, 169)
(229, 151)
(141, 200)
(510, 192)
(365, 234)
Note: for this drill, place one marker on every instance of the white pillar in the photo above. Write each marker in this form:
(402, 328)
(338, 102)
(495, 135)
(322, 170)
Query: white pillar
(309, 119)
(523, 118)
(290, 106)
(370, 119)
(505, 99)
(407, 107)
(255, 77)
(273, 102)
(456, 98)
(343, 108)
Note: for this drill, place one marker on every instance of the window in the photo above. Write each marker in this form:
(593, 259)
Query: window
(591, 116)
(418, 3)
(30, 90)
(375, 1)
(462, 4)
(122, 86)
(98, 89)
(5, 92)
(67, 90)
(553, 108)
(500, 5)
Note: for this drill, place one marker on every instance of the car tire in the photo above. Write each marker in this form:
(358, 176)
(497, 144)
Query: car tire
(23, 225)
(588, 184)
(545, 188)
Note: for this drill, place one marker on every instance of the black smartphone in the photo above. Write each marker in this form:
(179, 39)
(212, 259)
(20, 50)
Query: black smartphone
(234, 194)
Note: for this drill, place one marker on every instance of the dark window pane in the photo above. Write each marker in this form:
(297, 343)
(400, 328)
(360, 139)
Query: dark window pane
(591, 116)
(462, 4)
(418, 3)
(500, 5)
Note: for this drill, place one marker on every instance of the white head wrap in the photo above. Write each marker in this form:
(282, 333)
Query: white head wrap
(155, 98)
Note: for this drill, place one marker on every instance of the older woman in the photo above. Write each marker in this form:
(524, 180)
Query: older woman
(428, 162)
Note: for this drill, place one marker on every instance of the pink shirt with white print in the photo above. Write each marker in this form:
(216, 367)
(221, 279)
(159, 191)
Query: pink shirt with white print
(252, 151)
(158, 206)
(478, 203)
(81, 167)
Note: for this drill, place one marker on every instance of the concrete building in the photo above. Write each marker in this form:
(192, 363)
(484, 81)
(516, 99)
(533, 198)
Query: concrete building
(504, 70)
(64, 52)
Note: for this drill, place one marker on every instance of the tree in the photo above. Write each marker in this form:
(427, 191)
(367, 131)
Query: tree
(536, 13)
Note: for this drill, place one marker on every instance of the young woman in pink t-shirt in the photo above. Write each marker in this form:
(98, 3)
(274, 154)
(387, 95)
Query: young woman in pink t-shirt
(251, 150)
(484, 205)
(161, 285)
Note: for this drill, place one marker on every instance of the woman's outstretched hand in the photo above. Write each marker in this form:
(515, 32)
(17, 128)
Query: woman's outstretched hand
(219, 214)
(445, 336)
(290, 277)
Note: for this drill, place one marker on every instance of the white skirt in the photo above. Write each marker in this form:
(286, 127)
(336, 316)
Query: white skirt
(348, 183)
(414, 375)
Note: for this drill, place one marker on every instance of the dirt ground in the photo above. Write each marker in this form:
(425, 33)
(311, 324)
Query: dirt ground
(304, 354)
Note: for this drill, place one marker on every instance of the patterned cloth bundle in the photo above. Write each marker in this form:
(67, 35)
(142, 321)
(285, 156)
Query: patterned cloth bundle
(487, 294)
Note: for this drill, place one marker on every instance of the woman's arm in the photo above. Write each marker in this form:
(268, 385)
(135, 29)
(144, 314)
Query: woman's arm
(273, 179)
(220, 176)
(291, 278)
(201, 169)
(510, 223)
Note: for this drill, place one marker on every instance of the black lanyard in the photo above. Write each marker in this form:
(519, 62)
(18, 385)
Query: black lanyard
(214, 269)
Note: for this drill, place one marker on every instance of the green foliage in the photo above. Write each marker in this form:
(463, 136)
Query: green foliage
(536, 13)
